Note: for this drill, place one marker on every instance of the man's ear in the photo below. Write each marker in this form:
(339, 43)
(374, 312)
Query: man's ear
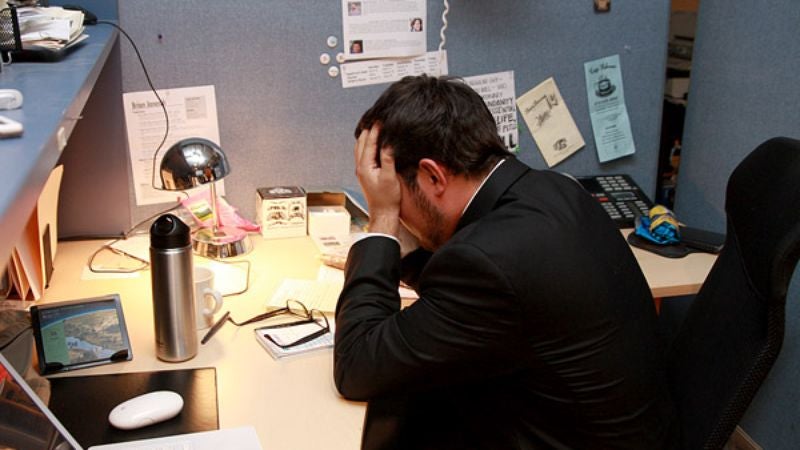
(432, 176)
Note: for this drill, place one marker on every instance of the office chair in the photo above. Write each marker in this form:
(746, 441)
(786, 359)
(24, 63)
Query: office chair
(734, 328)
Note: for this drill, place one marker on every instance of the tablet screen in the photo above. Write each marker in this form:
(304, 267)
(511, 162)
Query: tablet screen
(80, 333)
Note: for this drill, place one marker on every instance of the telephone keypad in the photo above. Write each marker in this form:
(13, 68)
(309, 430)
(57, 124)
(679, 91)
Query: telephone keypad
(619, 196)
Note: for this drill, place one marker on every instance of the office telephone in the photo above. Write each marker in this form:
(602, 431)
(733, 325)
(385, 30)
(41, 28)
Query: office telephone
(619, 195)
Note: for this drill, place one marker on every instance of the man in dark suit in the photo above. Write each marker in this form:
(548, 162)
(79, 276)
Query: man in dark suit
(534, 326)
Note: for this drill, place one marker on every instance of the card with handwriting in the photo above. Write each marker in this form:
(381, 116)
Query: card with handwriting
(550, 122)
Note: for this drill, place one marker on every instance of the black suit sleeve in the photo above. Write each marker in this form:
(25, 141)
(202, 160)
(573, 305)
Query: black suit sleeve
(464, 326)
(411, 266)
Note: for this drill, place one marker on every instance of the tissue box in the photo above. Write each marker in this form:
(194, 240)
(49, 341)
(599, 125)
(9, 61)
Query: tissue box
(281, 211)
(328, 213)
(328, 220)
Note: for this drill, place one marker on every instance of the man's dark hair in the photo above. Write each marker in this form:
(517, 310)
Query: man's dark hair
(438, 118)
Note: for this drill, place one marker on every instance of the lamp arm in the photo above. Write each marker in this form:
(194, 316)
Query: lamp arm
(214, 208)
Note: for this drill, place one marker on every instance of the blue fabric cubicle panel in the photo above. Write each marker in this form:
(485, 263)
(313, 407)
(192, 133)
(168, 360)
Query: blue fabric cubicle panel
(744, 90)
(283, 120)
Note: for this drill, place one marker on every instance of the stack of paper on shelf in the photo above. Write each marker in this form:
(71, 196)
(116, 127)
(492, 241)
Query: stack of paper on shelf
(50, 28)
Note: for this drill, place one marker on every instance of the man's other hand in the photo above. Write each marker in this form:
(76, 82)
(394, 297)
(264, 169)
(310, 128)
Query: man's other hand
(380, 184)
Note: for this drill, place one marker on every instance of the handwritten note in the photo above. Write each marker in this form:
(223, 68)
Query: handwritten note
(610, 122)
(550, 122)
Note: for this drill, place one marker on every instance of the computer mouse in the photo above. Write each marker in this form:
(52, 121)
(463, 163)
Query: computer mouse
(146, 409)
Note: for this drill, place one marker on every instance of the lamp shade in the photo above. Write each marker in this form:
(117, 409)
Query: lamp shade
(191, 162)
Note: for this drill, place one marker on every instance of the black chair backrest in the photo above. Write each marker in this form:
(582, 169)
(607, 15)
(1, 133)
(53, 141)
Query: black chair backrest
(733, 331)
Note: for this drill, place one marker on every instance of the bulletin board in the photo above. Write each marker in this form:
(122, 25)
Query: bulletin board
(284, 121)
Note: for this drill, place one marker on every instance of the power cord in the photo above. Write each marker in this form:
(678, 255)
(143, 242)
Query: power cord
(442, 38)
(143, 264)
(152, 88)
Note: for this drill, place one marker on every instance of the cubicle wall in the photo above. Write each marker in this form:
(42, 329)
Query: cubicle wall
(283, 120)
(745, 90)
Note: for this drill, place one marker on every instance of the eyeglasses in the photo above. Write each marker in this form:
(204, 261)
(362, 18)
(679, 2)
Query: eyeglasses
(292, 308)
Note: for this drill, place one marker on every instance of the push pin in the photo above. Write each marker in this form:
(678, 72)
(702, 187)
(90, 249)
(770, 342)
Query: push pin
(602, 5)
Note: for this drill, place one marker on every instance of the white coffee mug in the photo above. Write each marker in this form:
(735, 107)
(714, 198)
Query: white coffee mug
(208, 301)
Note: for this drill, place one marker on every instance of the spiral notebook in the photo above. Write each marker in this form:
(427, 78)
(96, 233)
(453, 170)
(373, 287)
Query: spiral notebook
(291, 334)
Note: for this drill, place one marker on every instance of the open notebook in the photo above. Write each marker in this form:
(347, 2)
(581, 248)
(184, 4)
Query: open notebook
(25, 422)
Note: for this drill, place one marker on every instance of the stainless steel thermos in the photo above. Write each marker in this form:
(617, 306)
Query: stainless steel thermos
(172, 279)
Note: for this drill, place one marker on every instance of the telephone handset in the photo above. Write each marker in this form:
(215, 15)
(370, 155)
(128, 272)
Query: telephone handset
(619, 195)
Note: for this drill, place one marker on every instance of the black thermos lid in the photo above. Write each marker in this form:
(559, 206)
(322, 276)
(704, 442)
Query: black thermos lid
(169, 231)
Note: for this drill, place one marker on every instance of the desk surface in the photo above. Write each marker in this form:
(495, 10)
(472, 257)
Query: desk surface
(292, 403)
(670, 277)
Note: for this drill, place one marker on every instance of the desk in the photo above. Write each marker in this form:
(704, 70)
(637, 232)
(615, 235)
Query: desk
(670, 277)
(292, 403)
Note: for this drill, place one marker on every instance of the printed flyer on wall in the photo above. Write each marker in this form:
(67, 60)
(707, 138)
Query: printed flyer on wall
(610, 122)
(497, 90)
(383, 28)
(192, 113)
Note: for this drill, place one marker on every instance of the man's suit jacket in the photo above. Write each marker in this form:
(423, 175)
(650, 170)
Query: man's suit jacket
(535, 328)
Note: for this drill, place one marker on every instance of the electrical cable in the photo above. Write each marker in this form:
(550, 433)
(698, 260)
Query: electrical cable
(143, 264)
(233, 264)
(442, 38)
(152, 88)
(109, 245)
(124, 235)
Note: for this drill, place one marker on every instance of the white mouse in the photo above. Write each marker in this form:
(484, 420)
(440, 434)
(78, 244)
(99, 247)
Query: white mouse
(146, 409)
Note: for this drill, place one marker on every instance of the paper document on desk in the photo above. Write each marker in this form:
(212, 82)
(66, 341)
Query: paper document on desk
(333, 249)
(241, 438)
(331, 274)
(315, 294)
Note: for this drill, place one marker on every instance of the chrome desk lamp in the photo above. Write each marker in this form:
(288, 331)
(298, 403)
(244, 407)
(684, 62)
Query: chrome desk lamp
(192, 162)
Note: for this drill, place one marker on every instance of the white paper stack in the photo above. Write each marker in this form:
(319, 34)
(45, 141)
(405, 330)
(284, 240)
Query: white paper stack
(50, 28)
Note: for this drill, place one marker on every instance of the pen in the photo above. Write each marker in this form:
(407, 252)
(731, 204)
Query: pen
(215, 327)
